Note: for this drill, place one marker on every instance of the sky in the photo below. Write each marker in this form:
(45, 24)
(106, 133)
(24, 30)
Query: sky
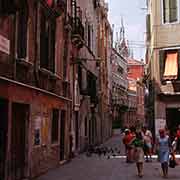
(133, 13)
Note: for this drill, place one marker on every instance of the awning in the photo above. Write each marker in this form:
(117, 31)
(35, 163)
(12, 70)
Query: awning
(171, 66)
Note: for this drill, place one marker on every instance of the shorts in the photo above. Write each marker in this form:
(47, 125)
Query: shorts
(149, 145)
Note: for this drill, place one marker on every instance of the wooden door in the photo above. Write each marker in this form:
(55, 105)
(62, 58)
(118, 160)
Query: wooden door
(62, 134)
(3, 135)
(18, 141)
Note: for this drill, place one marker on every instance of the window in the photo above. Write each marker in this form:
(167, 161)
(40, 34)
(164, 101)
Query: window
(22, 30)
(170, 11)
(86, 127)
(55, 125)
(47, 41)
(169, 65)
(89, 36)
(120, 70)
(37, 137)
(91, 86)
(7, 7)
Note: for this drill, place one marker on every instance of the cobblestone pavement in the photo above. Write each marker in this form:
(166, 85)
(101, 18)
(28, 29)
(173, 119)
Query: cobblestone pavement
(95, 168)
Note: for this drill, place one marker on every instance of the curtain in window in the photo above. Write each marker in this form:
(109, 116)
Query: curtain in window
(171, 66)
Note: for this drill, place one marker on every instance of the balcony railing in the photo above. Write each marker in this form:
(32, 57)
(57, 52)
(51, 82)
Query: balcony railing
(77, 27)
(76, 23)
(120, 80)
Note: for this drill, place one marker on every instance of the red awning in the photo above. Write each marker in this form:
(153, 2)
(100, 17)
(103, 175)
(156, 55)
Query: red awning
(171, 66)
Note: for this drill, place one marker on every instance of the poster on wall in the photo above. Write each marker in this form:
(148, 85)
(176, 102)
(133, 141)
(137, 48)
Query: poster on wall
(159, 124)
(37, 130)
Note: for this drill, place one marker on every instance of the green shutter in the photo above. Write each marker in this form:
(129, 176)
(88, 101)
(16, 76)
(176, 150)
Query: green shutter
(161, 63)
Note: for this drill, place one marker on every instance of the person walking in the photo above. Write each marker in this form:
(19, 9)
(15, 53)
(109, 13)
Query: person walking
(178, 140)
(127, 140)
(163, 145)
(147, 136)
(139, 153)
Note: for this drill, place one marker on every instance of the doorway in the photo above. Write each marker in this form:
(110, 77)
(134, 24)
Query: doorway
(3, 135)
(77, 129)
(62, 135)
(172, 119)
(20, 113)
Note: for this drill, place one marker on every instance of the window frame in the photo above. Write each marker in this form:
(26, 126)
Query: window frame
(162, 13)
(50, 21)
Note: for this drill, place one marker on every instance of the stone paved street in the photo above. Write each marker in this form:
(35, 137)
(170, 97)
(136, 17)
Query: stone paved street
(95, 168)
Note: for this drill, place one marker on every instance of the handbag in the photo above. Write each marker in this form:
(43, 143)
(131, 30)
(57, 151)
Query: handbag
(172, 161)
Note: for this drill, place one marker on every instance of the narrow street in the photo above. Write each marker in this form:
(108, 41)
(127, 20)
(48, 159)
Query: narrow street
(72, 71)
(115, 168)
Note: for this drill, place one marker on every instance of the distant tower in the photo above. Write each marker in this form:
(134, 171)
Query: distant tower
(122, 30)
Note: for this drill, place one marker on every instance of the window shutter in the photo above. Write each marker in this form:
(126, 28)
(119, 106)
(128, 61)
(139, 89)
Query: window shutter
(161, 63)
(173, 10)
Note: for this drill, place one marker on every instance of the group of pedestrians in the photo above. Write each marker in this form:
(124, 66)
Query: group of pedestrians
(137, 144)
(140, 142)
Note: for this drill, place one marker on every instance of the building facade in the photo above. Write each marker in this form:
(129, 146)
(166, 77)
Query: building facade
(130, 117)
(85, 118)
(54, 82)
(119, 88)
(162, 79)
(104, 43)
(135, 81)
(35, 98)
